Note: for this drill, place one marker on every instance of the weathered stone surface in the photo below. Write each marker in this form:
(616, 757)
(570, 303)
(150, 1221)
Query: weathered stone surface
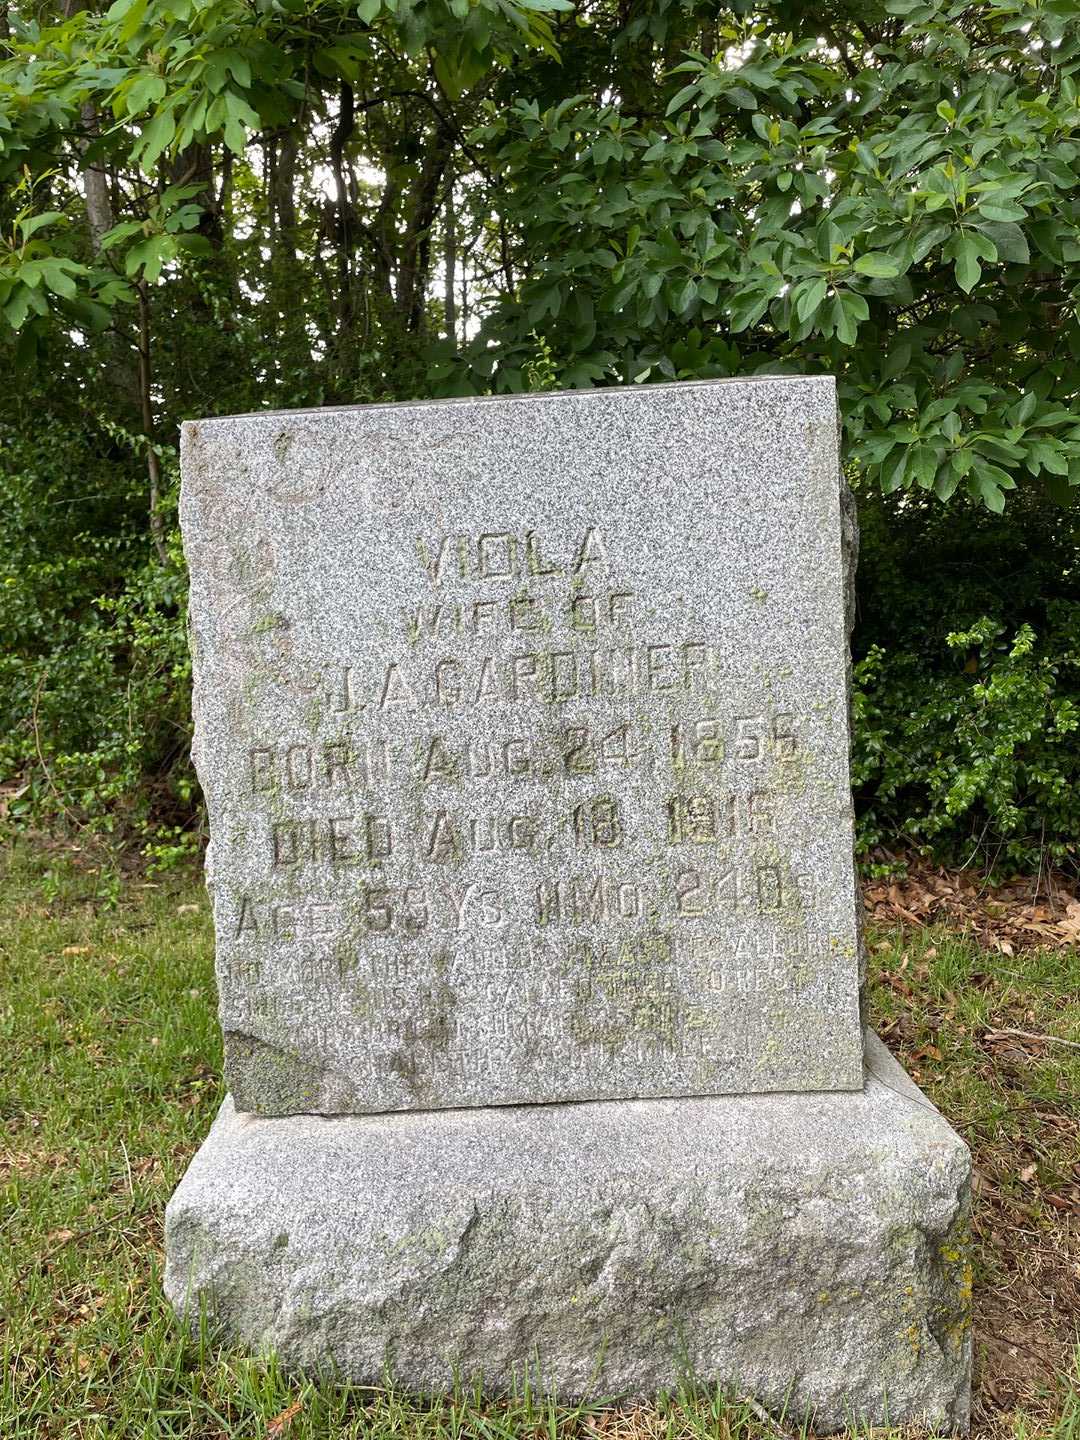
(806, 1249)
(522, 725)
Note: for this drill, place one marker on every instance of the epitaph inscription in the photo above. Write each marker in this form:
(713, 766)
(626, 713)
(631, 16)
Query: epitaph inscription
(523, 729)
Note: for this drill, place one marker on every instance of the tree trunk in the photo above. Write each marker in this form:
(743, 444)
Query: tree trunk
(153, 467)
(99, 213)
(283, 192)
(195, 166)
(99, 216)
(450, 261)
(416, 246)
(339, 137)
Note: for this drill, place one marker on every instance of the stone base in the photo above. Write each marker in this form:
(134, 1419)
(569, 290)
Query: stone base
(808, 1250)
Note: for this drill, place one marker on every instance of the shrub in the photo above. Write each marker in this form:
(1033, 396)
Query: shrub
(967, 683)
(94, 677)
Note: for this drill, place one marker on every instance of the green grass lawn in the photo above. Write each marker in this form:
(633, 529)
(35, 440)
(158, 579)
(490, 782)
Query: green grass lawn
(109, 1067)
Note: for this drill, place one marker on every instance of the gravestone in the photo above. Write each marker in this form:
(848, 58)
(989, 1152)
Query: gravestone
(523, 731)
(522, 725)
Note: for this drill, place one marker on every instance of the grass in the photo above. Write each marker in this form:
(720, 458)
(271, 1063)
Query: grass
(109, 1065)
(995, 1042)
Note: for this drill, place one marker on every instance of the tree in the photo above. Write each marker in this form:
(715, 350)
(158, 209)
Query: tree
(210, 206)
(664, 190)
(889, 194)
(126, 143)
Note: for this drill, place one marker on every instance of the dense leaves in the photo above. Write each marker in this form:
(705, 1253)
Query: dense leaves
(967, 680)
(901, 209)
(219, 205)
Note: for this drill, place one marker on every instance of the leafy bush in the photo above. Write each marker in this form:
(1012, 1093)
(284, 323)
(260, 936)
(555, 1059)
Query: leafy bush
(94, 677)
(966, 695)
(896, 206)
(522, 198)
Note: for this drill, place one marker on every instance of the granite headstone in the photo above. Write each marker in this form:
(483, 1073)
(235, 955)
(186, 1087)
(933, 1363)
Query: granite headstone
(523, 729)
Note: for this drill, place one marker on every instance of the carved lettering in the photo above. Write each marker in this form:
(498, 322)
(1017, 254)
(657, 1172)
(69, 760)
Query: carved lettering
(505, 554)
(303, 766)
(589, 900)
(708, 818)
(335, 840)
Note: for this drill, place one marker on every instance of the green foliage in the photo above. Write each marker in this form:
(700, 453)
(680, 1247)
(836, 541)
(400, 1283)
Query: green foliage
(163, 237)
(965, 739)
(94, 676)
(213, 206)
(540, 371)
(993, 743)
(37, 278)
(906, 219)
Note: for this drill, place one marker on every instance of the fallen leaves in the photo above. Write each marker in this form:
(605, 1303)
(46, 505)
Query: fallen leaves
(280, 1424)
(1019, 914)
(28, 1163)
(1039, 1040)
(1065, 1202)
(9, 794)
(980, 1185)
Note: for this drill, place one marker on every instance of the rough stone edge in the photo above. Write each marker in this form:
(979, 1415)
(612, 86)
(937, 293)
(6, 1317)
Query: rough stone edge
(850, 540)
(459, 402)
(191, 465)
(946, 1304)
